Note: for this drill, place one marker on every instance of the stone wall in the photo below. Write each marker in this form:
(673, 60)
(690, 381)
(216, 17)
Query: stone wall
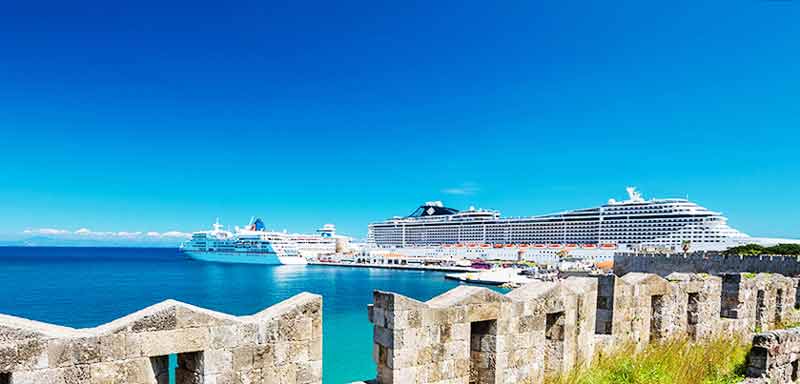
(696, 305)
(775, 357)
(466, 335)
(752, 303)
(476, 335)
(701, 262)
(282, 344)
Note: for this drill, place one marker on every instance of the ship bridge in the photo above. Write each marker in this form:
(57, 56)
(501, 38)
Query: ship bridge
(432, 208)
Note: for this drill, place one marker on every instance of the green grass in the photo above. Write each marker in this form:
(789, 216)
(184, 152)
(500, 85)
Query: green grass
(788, 324)
(749, 275)
(717, 361)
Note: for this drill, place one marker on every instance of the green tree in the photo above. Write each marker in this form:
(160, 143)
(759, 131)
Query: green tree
(755, 250)
(745, 250)
(784, 249)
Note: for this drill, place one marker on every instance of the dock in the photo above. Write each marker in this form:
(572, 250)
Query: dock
(431, 268)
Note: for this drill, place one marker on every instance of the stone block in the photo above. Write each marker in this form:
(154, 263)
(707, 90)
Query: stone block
(217, 361)
(481, 312)
(81, 374)
(377, 316)
(158, 343)
(227, 336)
(191, 340)
(315, 349)
(191, 318)
(112, 347)
(383, 336)
(40, 376)
(316, 328)
(263, 356)
(243, 358)
(73, 351)
(162, 320)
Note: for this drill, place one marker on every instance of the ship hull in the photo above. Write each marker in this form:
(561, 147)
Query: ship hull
(245, 258)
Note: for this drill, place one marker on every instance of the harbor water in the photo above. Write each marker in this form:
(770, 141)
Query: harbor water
(85, 287)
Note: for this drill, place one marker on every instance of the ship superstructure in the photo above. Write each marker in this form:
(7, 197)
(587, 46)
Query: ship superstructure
(669, 224)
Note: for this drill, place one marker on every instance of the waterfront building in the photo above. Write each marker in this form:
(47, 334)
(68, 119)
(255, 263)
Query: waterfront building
(324, 243)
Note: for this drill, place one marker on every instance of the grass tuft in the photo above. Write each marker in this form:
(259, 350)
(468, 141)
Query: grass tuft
(679, 361)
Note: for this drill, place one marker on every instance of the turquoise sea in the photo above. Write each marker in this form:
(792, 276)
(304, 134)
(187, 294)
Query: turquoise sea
(84, 287)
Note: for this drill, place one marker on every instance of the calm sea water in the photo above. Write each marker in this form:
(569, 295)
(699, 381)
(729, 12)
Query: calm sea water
(85, 287)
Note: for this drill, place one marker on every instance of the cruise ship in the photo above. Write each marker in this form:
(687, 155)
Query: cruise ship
(668, 225)
(324, 243)
(250, 245)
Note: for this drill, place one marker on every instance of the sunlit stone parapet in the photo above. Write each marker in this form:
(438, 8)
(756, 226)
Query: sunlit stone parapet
(476, 335)
(281, 344)
(757, 302)
(694, 300)
(775, 357)
(643, 316)
(472, 334)
(713, 263)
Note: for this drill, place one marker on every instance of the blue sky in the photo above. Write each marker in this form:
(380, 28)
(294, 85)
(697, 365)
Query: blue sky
(147, 116)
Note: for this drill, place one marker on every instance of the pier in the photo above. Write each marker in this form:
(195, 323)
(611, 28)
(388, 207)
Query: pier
(411, 267)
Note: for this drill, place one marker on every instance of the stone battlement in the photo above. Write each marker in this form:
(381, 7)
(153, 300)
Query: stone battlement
(476, 335)
(465, 335)
(701, 262)
(281, 344)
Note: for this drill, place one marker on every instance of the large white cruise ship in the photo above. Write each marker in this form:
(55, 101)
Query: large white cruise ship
(671, 225)
(250, 245)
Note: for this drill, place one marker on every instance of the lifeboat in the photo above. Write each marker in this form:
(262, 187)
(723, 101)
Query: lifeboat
(485, 245)
(498, 245)
(446, 245)
(589, 246)
(523, 245)
(509, 245)
(572, 246)
(472, 245)
(539, 246)
(459, 245)
(554, 246)
(608, 246)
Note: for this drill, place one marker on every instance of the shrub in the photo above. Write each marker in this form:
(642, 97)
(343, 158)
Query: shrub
(755, 250)
(679, 361)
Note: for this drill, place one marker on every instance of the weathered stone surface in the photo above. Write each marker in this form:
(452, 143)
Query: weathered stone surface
(704, 262)
(474, 335)
(465, 335)
(163, 320)
(282, 344)
(775, 356)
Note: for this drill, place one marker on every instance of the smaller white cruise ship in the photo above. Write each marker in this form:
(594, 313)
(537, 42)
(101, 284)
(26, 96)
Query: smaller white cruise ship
(250, 245)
